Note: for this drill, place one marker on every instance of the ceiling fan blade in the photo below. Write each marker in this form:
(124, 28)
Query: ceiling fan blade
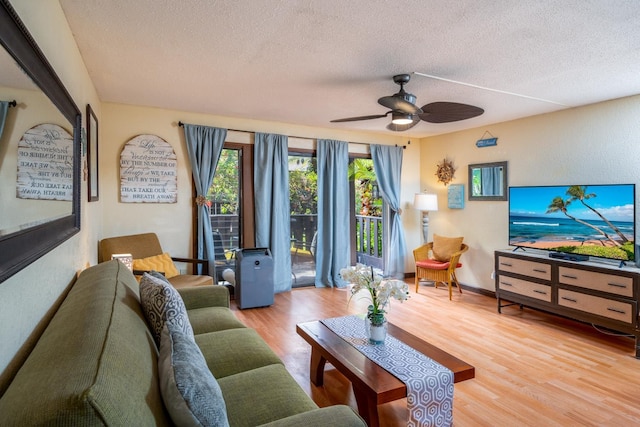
(398, 103)
(445, 112)
(399, 128)
(355, 119)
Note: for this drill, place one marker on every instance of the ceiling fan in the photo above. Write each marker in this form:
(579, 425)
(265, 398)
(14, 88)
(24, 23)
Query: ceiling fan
(405, 114)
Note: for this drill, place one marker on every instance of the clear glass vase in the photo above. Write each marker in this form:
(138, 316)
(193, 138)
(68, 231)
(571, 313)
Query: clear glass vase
(375, 327)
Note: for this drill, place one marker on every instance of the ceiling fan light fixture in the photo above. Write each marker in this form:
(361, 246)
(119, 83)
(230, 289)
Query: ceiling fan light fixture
(401, 119)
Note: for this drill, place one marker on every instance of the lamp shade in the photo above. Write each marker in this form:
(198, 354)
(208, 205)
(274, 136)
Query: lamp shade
(425, 202)
(401, 118)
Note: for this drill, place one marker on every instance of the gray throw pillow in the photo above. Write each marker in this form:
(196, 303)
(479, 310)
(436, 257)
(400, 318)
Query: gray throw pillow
(160, 276)
(161, 304)
(190, 392)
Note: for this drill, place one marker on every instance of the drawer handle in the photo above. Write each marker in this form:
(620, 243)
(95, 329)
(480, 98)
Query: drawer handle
(569, 299)
(617, 285)
(506, 283)
(539, 270)
(539, 292)
(506, 264)
(616, 310)
(567, 276)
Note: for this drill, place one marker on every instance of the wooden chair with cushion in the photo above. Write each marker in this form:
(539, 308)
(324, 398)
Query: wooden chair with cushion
(437, 261)
(148, 255)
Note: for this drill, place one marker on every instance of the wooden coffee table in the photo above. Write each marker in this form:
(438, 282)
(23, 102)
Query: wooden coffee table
(372, 385)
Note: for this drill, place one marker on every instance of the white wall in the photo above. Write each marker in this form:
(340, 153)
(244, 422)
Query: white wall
(27, 297)
(173, 222)
(595, 144)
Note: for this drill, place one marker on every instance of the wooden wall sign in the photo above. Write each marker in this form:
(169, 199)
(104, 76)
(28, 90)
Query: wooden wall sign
(45, 164)
(487, 142)
(148, 171)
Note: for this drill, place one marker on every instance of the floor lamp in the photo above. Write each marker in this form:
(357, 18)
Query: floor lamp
(425, 203)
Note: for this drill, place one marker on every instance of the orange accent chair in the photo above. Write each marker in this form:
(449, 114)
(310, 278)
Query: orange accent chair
(436, 271)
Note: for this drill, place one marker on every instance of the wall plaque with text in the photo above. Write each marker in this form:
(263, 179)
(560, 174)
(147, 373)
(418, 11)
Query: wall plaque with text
(45, 164)
(148, 171)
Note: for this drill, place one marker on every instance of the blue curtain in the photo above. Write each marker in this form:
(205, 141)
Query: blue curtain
(204, 145)
(491, 181)
(387, 163)
(4, 108)
(487, 181)
(333, 239)
(272, 206)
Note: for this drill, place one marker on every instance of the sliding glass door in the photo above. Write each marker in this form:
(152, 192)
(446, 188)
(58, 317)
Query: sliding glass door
(367, 224)
(303, 191)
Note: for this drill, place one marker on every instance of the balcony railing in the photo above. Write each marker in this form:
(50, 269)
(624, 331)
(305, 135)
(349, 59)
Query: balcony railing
(369, 240)
(228, 227)
(303, 227)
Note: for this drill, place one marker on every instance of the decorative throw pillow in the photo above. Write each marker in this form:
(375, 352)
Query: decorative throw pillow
(159, 275)
(444, 247)
(162, 263)
(190, 392)
(161, 304)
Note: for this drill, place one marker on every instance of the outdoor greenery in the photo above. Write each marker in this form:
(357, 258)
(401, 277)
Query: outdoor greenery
(224, 191)
(303, 185)
(367, 203)
(303, 191)
(362, 173)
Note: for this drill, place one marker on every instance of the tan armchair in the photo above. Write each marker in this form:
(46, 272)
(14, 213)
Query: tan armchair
(147, 245)
(431, 269)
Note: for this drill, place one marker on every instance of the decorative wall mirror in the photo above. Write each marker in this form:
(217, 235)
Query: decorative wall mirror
(488, 181)
(36, 226)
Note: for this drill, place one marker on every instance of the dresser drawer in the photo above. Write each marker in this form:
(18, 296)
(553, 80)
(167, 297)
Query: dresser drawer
(616, 310)
(538, 270)
(611, 283)
(523, 287)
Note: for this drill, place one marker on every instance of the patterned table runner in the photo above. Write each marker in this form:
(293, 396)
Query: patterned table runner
(429, 384)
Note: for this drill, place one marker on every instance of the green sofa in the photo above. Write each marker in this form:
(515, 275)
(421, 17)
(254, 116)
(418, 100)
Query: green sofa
(97, 363)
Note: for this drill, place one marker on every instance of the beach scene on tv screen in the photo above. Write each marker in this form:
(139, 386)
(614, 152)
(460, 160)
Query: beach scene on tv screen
(596, 220)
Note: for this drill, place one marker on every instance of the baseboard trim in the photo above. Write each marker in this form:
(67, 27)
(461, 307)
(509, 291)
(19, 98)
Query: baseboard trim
(473, 289)
(480, 291)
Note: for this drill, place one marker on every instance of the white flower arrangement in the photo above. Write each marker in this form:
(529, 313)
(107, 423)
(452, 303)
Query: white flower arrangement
(380, 290)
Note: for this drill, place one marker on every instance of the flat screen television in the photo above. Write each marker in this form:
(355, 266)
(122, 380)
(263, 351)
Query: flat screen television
(590, 220)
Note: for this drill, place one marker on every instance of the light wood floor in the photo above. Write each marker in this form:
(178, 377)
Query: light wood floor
(532, 369)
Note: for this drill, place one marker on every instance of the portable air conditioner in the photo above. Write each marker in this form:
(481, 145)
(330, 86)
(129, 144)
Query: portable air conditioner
(254, 278)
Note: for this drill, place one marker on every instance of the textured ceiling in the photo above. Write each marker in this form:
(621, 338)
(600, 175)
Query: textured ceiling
(307, 62)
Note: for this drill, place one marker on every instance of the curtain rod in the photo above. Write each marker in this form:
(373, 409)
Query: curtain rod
(13, 103)
(181, 124)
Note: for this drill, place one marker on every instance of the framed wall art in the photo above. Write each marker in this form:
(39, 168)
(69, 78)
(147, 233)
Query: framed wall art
(455, 197)
(92, 154)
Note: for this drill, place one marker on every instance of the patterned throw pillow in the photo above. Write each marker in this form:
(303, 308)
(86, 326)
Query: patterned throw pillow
(162, 263)
(444, 247)
(190, 392)
(161, 304)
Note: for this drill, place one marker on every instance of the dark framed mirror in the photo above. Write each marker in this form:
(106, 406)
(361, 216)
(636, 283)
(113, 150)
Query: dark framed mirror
(488, 181)
(23, 243)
